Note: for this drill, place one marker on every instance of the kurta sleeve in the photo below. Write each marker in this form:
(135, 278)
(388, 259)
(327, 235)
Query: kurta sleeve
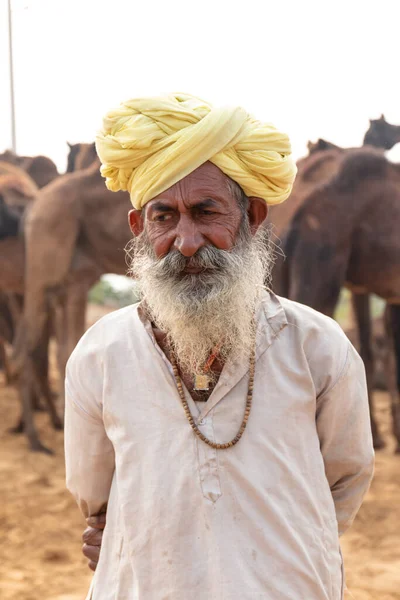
(89, 454)
(344, 430)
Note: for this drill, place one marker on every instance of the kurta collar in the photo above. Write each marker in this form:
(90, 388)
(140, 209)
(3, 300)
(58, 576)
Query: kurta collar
(271, 319)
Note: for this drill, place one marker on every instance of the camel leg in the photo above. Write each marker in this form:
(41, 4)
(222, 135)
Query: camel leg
(15, 303)
(76, 314)
(74, 310)
(39, 385)
(4, 363)
(32, 385)
(392, 322)
(42, 373)
(50, 236)
(37, 407)
(29, 357)
(26, 394)
(7, 330)
(69, 312)
(60, 326)
(361, 307)
(40, 388)
(18, 428)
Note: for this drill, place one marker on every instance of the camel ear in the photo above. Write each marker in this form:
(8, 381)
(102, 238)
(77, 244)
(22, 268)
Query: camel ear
(382, 117)
(309, 145)
(69, 145)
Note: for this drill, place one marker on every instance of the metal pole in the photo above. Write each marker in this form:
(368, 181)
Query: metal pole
(12, 96)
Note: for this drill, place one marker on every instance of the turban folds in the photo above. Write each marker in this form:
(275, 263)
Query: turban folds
(149, 144)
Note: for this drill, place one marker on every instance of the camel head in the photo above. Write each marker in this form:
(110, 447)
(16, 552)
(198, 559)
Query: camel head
(80, 156)
(382, 134)
(16, 187)
(312, 146)
(74, 150)
(321, 145)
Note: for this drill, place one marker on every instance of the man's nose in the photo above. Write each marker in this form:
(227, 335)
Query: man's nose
(188, 237)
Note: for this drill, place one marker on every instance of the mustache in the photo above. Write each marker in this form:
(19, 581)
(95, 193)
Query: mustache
(207, 258)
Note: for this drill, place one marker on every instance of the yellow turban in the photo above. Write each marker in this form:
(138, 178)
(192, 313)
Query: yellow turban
(148, 144)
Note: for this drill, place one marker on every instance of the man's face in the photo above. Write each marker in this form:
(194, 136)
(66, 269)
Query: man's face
(198, 265)
(199, 210)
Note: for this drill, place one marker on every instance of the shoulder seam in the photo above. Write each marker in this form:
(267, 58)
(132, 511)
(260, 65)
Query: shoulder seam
(77, 407)
(341, 374)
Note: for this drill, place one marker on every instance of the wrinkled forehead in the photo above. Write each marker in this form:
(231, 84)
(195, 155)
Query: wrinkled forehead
(205, 181)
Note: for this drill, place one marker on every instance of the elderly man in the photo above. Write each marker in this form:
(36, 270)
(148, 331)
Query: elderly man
(221, 432)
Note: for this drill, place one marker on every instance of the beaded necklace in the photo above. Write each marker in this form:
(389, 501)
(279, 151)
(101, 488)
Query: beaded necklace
(190, 418)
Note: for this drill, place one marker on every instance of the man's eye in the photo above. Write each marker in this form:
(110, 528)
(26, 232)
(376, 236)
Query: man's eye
(162, 218)
(207, 212)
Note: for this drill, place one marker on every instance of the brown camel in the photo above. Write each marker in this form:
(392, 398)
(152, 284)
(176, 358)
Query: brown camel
(92, 224)
(75, 231)
(320, 166)
(40, 168)
(346, 233)
(322, 163)
(18, 189)
(12, 269)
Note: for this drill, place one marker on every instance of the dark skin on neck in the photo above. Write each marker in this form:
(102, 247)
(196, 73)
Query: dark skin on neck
(187, 378)
(197, 211)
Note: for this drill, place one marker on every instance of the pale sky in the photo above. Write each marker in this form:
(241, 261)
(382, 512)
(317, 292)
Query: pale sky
(312, 67)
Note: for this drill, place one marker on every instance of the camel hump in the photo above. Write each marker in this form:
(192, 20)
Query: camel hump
(41, 169)
(358, 166)
(44, 162)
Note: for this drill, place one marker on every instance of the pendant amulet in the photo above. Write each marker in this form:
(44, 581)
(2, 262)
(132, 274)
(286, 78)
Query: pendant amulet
(201, 382)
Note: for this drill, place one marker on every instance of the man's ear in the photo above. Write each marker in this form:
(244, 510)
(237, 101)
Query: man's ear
(258, 212)
(136, 222)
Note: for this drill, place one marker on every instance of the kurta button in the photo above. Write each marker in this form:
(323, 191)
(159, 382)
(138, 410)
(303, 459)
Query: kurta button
(202, 422)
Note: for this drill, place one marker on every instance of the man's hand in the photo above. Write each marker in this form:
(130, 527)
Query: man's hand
(92, 537)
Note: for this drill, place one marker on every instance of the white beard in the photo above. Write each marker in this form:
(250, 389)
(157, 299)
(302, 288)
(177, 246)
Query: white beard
(214, 308)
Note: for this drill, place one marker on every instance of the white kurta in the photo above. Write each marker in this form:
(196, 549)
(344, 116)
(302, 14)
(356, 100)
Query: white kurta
(187, 522)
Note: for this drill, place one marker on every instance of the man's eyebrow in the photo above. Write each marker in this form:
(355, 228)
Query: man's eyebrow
(161, 207)
(207, 203)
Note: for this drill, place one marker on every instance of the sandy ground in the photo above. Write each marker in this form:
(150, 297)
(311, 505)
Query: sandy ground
(40, 526)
